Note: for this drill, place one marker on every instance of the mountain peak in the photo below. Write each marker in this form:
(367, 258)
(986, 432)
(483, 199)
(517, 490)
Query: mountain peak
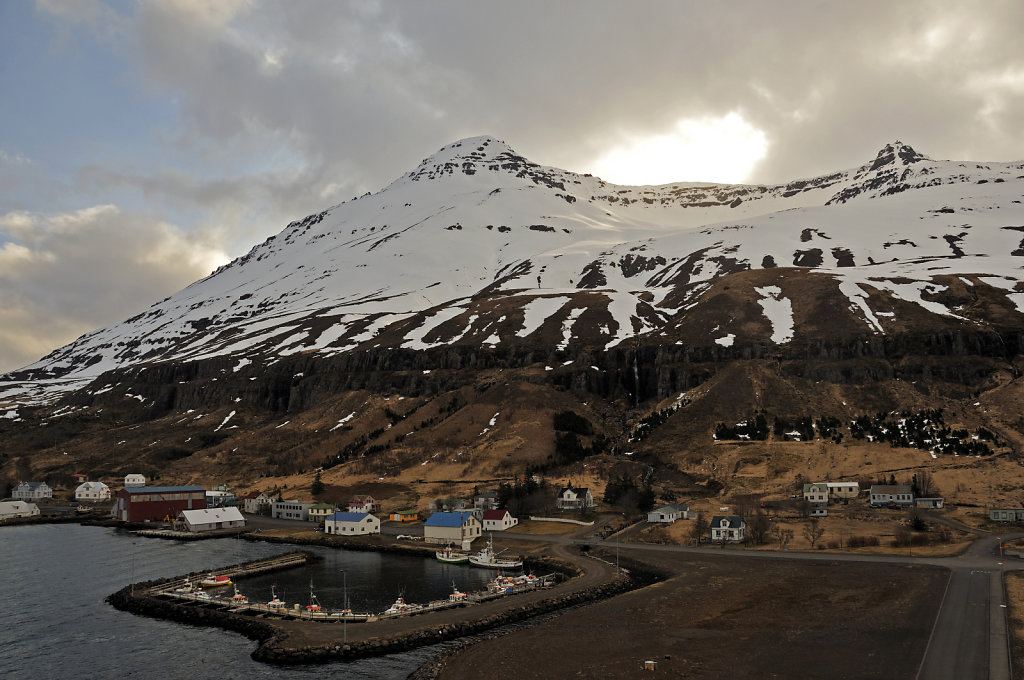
(896, 151)
(471, 149)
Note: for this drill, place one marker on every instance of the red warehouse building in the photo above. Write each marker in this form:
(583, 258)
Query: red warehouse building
(157, 503)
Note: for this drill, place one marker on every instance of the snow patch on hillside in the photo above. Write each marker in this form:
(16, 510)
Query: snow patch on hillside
(779, 312)
(855, 294)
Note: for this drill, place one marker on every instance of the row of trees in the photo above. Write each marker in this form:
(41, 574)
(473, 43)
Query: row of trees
(921, 430)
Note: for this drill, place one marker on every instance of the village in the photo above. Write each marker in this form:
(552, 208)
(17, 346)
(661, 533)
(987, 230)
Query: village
(194, 511)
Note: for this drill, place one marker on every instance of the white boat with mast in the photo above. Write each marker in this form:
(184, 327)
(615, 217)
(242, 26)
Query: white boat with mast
(490, 559)
(238, 598)
(275, 603)
(313, 608)
(449, 555)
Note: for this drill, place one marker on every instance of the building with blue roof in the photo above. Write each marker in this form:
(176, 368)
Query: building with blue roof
(352, 524)
(461, 528)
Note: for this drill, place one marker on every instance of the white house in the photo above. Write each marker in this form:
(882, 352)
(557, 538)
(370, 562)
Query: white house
(883, 494)
(498, 520)
(12, 509)
(667, 514)
(363, 504)
(296, 510)
(31, 491)
(256, 502)
(134, 481)
(728, 529)
(816, 492)
(843, 490)
(574, 499)
(92, 492)
(486, 501)
(452, 527)
(352, 523)
(211, 519)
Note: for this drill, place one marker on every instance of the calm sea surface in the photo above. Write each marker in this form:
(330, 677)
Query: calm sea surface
(54, 623)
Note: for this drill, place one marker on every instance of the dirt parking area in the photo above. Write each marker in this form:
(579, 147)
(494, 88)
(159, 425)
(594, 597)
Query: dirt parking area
(728, 617)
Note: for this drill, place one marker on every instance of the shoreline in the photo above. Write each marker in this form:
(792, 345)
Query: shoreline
(305, 642)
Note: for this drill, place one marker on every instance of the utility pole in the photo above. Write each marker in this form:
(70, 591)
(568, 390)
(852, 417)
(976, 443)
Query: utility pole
(345, 612)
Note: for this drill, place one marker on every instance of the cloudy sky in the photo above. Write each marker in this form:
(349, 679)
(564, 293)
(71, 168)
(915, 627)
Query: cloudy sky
(142, 144)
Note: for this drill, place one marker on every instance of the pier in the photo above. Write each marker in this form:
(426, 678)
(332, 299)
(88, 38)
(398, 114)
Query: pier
(187, 590)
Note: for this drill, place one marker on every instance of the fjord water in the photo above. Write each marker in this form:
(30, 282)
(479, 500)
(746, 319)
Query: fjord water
(56, 624)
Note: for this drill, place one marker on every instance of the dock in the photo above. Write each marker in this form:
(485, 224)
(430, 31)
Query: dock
(186, 590)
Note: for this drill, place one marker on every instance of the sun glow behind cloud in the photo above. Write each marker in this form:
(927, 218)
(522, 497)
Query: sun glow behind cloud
(723, 149)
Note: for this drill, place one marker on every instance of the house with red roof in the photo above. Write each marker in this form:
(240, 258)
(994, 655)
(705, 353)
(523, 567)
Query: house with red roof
(499, 520)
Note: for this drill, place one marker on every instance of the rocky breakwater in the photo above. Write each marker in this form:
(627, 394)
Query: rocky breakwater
(140, 598)
(276, 650)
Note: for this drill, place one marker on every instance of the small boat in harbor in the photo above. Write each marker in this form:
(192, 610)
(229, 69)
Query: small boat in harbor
(451, 556)
(238, 598)
(457, 595)
(314, 606)
(212, 581)
(201, 594)
(488, 558)
(275, 602)
(402, 607)
(185, 588)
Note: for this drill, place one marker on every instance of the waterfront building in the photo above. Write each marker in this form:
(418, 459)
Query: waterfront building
(32, 491)
(210, 519)
(460, 528)
(12, 509)
(297, 510)
(92, 492)
(157, 503)
(352, 523)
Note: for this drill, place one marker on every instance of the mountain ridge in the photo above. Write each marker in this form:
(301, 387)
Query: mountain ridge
(480, 244)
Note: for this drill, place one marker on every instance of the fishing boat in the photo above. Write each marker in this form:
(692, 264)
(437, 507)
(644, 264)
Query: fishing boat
(186, 587)
(314, 604)
(275, 603)
(457, 595)
(238, 598)
(212, 581)
(488, 558)
(451, 556)
(402, 607)
(201, 594)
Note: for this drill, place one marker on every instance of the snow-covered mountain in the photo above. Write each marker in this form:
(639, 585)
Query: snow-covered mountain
(478, 246)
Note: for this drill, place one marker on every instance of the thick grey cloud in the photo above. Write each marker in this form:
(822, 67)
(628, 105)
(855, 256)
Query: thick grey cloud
(65, 274)
(282, 109)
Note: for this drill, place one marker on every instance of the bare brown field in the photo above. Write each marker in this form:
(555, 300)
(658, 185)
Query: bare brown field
(741, 619)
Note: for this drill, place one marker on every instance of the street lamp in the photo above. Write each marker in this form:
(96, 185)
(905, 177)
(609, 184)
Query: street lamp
(345, 611)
